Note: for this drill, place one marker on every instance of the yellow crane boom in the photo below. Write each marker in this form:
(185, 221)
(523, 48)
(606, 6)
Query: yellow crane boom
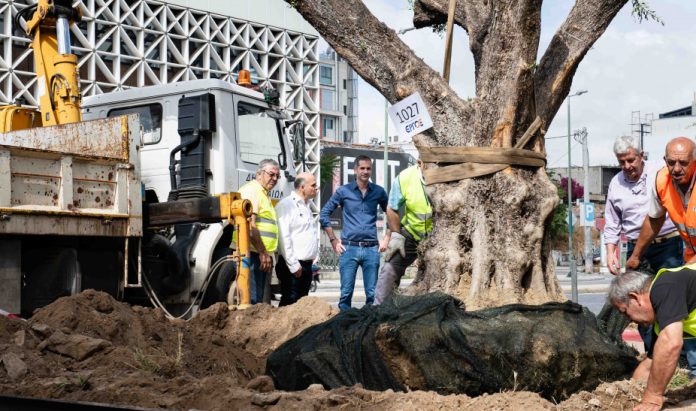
(55, 66)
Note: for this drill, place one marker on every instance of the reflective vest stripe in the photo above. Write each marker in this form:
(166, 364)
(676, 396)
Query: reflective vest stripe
(689, 323)
(265, 220)
(268, 234)
(690, 231)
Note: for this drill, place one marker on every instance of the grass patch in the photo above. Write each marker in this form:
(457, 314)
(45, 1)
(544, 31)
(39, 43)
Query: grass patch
(679, 379)
(145, 362)
(79, 383)
(160, 362)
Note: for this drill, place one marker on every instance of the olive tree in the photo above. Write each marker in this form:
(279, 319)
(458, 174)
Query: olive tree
(490, 242)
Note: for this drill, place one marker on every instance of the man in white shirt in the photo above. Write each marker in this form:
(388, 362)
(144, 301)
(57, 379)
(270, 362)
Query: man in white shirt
(299, 242)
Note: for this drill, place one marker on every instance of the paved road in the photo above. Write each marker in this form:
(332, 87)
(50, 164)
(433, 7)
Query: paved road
(591, 289)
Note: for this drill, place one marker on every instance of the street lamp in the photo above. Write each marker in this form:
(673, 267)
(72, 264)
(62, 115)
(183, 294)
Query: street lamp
(571, 254)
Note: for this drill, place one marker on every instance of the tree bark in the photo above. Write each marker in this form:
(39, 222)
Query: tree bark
(489, 245)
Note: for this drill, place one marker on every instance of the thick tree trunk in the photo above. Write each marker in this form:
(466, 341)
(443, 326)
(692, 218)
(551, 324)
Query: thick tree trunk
(489, 244)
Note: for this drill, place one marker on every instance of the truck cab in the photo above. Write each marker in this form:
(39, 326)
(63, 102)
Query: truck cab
(247, 129)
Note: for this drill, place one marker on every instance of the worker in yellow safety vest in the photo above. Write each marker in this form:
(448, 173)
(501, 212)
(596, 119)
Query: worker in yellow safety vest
(263, 233)
(408, 191)
(669, 301)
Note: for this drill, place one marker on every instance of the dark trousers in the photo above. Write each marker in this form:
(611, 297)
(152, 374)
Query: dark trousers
(293, 288)
(391, 272)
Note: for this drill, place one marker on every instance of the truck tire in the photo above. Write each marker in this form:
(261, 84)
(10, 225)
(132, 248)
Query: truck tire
(218, 288)
(57, 274)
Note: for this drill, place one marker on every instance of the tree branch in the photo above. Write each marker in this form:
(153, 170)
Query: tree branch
(474, 17)
(503, 38)
(585, 23)
(377, 54)
(427, 13)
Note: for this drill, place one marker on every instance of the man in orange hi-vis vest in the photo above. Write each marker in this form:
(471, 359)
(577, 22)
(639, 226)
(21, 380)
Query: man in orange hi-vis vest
(673, 193)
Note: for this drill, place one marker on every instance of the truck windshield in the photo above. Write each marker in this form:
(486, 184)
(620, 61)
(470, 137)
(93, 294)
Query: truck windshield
(259, 135)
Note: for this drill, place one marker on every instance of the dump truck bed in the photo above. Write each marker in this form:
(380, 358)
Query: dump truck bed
(80, 179)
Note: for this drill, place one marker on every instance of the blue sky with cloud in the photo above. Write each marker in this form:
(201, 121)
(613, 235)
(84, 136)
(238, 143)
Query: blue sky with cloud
(634, 66)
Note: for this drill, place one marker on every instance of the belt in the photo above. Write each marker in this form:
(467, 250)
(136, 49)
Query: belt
(360, 243)
(660, 239)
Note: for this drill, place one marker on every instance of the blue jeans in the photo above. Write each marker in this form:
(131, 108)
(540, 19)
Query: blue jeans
(667, 254)
(354, 256)
(257, 280)
(689, 349)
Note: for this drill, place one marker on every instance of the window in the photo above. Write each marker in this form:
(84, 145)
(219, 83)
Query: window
(150, 120)
(258, 134)
(326, 124)
(345, 110)
(326, 75)
(328, 100)
(344, 84)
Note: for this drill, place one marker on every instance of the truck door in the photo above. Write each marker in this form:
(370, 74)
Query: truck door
(154, 154)
(259, 136)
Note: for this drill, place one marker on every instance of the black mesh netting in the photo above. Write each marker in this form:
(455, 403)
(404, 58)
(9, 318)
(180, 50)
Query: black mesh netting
(430, 342)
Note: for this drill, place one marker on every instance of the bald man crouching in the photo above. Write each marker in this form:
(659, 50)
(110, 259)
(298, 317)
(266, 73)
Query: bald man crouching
(669, 301)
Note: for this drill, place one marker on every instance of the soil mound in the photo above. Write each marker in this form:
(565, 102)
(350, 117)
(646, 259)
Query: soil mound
(90, 347)
(93, 348)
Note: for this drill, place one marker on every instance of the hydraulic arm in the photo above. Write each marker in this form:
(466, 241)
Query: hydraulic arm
(55, 65)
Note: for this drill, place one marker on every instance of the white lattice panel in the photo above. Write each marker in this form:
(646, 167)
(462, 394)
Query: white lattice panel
(122, 44)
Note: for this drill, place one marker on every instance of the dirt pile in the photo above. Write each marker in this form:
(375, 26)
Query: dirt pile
(92, 348)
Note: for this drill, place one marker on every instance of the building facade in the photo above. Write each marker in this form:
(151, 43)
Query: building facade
(668, 125)
(338, 97)
(600, 177)
(124, 44)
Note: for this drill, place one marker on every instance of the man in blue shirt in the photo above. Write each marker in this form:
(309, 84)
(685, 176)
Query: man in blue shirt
(358, 245)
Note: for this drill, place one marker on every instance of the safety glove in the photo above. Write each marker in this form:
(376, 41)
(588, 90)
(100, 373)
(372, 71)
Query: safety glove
(397, 242)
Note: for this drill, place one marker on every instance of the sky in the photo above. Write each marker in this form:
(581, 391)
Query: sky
(634, 66)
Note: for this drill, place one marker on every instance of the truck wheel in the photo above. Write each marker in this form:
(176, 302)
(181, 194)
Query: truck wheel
(224, 281)
(57, 274)
(232, 297)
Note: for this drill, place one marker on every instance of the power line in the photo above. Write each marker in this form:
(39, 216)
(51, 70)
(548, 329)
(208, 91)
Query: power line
(563, 156)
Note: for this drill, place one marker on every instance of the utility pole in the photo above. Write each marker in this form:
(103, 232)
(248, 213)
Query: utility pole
(386, 144)
(571, 253)
(581, 136)
(386, 159)
(641, 125)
